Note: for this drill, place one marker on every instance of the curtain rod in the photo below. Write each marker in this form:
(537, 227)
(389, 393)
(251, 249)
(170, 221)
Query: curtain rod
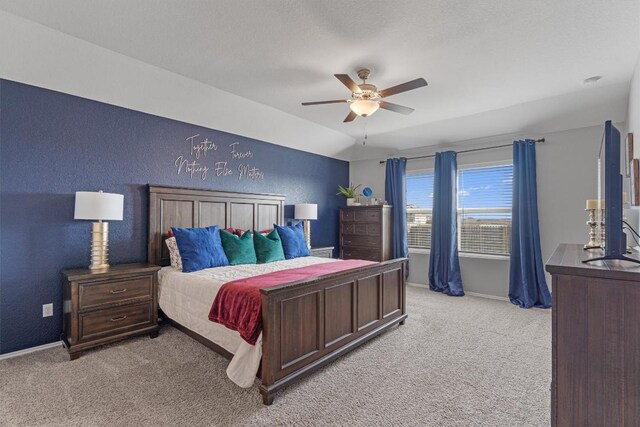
(382, 162)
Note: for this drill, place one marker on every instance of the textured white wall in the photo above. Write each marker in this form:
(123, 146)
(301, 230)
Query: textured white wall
(567, 176)
(633, 113)
(37, 55)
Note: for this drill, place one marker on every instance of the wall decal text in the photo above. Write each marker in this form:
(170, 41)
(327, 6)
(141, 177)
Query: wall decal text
(204, 156)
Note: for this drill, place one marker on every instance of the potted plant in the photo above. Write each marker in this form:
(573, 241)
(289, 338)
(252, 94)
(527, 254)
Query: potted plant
(349, 193)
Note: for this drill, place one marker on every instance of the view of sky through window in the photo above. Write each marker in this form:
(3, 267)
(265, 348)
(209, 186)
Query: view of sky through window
(478, 187)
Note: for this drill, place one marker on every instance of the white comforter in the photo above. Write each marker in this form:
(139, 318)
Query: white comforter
(187, 298)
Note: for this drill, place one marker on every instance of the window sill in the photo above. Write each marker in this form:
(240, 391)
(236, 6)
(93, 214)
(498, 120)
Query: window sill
(463, 254)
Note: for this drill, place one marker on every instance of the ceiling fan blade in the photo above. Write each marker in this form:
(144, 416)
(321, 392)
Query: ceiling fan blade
(335, 101)
(346, 80)
(395, 107)
(413, 84)
(350, 117)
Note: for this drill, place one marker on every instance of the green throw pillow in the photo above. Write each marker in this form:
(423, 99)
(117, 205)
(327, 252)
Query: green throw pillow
(268, 248)
(239, 250)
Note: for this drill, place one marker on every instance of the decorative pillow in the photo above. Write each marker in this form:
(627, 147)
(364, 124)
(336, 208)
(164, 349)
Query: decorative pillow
(238, 232)
(268, 247)
(294, 244)
(174, 253)
(200, 248)
(239, 250)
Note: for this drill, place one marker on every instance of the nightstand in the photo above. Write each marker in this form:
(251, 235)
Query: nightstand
(322, 252)
(103, 307)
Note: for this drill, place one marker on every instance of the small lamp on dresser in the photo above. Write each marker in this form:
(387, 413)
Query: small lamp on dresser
(99, 206)
(306, 212)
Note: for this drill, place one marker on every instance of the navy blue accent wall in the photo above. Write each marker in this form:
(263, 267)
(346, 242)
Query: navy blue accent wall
(53, 144)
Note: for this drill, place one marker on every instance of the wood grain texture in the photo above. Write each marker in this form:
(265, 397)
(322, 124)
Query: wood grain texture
(187, 207)
(115, 291)
(301, 331)
(322, 252)
(631, 354)
(595, 340)
(305, 324)
(349, 303)
(339, 316)
(104, 307)
(573, 369)
(369, 298)
(366, 233)
(391, 292)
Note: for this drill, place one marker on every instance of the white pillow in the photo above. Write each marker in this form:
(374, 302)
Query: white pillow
(174, 253)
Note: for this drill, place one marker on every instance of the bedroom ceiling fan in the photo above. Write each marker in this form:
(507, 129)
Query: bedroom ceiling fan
(366, 99)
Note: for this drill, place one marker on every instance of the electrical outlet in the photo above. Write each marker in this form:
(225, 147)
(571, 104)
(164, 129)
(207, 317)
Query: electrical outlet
(47, 310)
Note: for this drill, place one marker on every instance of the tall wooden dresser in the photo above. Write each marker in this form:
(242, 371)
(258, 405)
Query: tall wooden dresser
(596, 340)
(366, 233)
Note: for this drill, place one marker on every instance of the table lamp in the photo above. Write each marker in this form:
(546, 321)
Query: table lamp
(306, 212)
(99, 206)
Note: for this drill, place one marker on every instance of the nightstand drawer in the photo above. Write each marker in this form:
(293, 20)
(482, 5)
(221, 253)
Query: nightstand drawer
(322, 252)
(96, 294)
(114, 320)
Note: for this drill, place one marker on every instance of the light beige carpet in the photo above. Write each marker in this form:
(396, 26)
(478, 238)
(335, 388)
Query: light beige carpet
(457, 362)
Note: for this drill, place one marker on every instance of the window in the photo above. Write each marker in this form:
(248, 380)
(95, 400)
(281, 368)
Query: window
(484, 209)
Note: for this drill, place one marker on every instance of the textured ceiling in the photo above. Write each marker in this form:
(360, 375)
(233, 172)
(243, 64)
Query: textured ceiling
(481, 58)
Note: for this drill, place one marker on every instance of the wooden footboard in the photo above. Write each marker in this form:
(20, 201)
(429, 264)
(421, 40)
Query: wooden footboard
(308, 324)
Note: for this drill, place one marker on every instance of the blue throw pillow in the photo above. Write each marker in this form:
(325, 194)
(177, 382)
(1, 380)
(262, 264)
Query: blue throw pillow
(200, 248)
(294, 244)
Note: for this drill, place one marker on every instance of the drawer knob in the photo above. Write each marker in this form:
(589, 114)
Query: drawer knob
(117, 319)
(119, 291)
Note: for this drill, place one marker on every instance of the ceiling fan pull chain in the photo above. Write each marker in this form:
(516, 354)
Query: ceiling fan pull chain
(364, 141)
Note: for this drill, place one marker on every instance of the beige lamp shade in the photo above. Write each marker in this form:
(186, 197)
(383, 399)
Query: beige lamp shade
(98, 206)
(306, 211)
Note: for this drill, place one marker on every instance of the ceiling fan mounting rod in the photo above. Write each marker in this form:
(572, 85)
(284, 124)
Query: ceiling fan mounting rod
(363, 73)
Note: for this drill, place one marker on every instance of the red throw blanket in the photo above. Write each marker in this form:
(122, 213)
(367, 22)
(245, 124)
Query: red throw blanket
(238, 304)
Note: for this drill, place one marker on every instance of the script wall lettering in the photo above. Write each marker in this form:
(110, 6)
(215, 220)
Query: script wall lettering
(204, 159)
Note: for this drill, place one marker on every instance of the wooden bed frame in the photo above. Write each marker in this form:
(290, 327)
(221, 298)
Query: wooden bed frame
(305, 324)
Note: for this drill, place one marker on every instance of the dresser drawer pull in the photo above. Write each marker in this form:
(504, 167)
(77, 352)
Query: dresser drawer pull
(117, 319)
(119, 291)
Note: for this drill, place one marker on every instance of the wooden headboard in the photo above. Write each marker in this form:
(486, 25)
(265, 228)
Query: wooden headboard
(189, 207)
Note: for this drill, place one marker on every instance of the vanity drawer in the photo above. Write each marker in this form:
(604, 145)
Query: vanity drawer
(113, 321)
(95, 294)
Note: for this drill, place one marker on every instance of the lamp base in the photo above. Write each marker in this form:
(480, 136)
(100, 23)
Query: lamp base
(306, 225)
(99, 246)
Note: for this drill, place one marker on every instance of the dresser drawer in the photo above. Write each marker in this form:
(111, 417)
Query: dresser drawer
(367, 215)
(348, 252)
(347, 215)
(114, 291)
(113, 321)
(359, 240)
(355, 228)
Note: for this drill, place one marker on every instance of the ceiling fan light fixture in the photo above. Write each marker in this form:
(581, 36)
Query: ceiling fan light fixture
(364, 107)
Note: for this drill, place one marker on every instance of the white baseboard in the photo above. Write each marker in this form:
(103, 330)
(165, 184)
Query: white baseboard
(30, 350)
(419, 285)
(473, 294)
